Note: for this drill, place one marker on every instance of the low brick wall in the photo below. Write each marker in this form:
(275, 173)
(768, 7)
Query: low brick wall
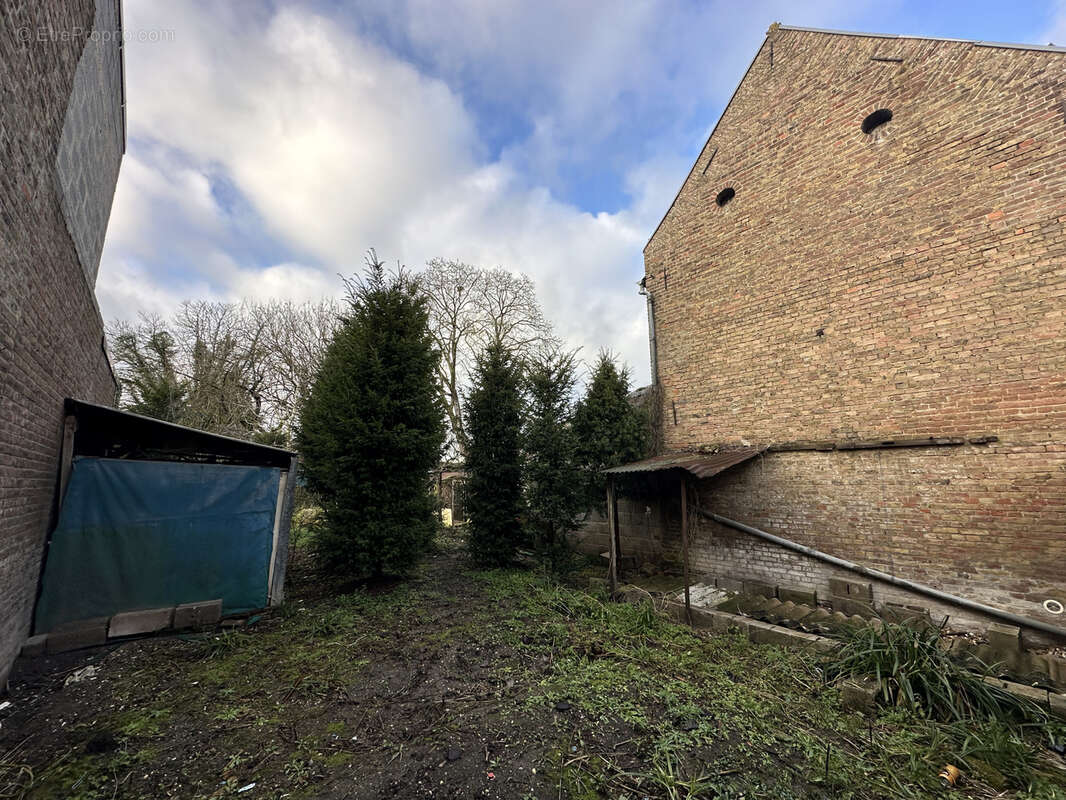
(980, 522)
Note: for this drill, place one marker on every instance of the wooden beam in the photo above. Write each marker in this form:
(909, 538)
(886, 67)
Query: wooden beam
(612, 548)
(276, 588)
(684, 543)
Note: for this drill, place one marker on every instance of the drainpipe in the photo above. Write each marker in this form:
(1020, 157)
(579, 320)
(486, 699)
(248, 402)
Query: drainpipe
(919, 588)
(651, 331)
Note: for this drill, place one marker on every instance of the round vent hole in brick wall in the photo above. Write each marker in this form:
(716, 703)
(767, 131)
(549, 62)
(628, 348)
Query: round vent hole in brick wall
(725, 196)
(876, 119)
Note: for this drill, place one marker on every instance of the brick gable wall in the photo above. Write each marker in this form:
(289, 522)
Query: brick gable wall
(51, 334)
(908, 282)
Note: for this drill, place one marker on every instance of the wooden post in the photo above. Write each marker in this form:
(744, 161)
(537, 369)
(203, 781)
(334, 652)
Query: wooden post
(612, 548)
(619, 572)
(684, 543)
(276, 590)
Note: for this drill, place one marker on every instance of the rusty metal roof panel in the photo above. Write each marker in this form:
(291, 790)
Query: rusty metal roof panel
(699, 464)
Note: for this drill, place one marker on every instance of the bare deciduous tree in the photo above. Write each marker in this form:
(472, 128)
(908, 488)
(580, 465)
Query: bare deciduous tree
(471, 308)
(236, 368)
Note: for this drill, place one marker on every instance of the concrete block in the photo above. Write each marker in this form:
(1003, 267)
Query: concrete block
(130, 623)
(765, 633)
(806, 597)
(759, 588)
(859, 695)
(75, 635)
(198, 615)
(1053, 701)
(855, 590)
(1057, 670)
(35, 645)
(1004, 638)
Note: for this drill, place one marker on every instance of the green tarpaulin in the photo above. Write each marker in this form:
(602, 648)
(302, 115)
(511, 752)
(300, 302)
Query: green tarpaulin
(148, 534)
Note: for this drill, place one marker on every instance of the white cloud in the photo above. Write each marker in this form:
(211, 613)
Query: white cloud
(270, 147)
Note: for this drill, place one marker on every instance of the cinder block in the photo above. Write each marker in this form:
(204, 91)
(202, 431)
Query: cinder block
(806, 597)
(130, 623)
(1004, 638)
(75, 635)
(35, 645)
(853, 590)
(197, 614)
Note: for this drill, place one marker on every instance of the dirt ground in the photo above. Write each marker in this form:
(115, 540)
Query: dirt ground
(456, 683)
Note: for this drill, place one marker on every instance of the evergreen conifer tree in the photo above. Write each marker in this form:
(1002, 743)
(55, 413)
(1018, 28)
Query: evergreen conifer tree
(609, 429)
(553, 481)
(372, 430)
(493, 457)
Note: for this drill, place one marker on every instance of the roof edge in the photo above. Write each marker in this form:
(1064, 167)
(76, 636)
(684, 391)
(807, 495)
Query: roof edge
(1049, 48)
(707, 141)
(71, 406)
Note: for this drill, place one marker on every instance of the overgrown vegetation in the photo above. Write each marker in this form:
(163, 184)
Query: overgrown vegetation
(494, 457)
(372, 430)
(542, 690)
(913, 669)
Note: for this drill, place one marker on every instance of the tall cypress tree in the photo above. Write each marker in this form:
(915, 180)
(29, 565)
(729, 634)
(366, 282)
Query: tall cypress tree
(372, 430)
(552, 478)
(609, 429)
(493, 457)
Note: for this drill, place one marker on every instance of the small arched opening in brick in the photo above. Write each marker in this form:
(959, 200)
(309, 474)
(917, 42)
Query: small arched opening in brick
(876, 120)
(724, 196)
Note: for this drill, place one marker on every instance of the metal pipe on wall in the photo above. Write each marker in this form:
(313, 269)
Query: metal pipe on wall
(886, 577)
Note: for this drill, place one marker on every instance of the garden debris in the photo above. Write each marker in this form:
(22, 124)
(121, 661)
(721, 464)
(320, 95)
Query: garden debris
(453, 754)
(562, 705)
(247, 788)
(80, 675)
(949, 775)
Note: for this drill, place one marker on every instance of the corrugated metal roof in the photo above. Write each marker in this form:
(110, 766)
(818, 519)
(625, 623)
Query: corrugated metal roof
(698, 464)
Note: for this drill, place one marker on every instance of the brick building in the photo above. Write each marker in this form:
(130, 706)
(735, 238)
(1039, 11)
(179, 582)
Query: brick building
(62, 136)
(871, 250)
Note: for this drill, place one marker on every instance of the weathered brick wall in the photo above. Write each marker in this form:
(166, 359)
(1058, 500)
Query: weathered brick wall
(51, 334)
(908, 282)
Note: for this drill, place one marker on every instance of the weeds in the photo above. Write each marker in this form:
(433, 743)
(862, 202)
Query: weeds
(915, 671)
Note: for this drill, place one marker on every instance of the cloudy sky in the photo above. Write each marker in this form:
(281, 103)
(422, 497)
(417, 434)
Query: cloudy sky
(270, 144)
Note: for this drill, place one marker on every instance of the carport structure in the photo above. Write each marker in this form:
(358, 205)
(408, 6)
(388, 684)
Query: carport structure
(687, 467)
